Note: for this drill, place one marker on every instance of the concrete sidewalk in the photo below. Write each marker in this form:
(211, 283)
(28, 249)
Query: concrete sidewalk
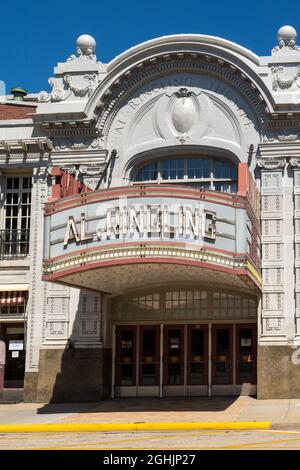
(153, 410)
(216, 409)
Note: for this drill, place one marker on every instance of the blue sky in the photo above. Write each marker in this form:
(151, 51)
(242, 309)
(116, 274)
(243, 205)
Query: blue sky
(37, 35)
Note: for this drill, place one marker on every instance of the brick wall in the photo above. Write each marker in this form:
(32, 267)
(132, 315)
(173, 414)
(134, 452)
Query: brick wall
(10, 111)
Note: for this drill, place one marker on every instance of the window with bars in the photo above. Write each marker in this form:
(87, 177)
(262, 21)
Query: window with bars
(14, 239)
(202, 172)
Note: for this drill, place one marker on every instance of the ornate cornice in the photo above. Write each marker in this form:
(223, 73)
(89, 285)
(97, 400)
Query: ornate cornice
(271, 163)
(43, 144)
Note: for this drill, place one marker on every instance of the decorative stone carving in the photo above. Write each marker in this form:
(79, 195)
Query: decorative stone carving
(86, 46)
(183, 113)
(94, 143)
(71, 169)
(282, 137)
(273, 324)
(107, 106)
(57, 94)
(284, 83)
(91, 170)
(295, 162)
(271, 163)
(286, 36)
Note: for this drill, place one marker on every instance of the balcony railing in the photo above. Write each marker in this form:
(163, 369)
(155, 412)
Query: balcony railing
(14, 243)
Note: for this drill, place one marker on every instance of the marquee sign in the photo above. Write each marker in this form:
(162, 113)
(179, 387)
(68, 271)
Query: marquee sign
(171, 215)
(146, 221)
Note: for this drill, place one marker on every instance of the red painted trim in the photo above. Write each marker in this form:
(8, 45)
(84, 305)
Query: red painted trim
(66, 185)
(144, 191)
(242, 179)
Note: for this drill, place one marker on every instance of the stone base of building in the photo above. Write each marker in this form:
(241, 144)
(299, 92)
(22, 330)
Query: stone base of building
(278, 376)
(69, 375)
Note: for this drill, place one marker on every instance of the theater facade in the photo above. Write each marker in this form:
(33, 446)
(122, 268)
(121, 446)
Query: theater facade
(150, 239)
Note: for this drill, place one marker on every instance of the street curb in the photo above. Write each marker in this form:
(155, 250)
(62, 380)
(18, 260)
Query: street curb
(160, 426)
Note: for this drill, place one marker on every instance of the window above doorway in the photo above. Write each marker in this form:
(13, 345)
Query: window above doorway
(203, 172)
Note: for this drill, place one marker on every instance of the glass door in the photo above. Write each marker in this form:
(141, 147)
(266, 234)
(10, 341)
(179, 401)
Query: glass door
(149, 356)
(126, 356)
(222, 355)
(173, 355)
(197, 355)
(246, 354)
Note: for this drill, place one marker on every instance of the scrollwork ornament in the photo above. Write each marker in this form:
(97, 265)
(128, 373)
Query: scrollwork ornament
(284, 83)
(295, 162)
(282, 137)
(271, 163)
(94, 143)
(90, 80)
(71, 169)
(90, 170)
(57, 94)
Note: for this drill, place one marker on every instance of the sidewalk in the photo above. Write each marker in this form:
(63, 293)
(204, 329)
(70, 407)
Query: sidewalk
(153, 410)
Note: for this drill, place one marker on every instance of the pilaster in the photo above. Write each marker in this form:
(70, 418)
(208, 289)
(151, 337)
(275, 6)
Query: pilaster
(295, 166)
(37, 299)
(276, 222)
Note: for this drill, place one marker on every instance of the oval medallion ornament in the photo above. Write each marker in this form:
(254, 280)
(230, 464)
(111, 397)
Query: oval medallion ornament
(184, 111)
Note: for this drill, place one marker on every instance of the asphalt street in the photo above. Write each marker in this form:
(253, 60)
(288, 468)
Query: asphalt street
(197, 440)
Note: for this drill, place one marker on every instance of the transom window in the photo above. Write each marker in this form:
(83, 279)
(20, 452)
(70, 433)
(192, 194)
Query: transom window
(206, 173)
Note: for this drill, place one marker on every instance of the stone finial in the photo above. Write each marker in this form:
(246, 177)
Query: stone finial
(85, 48)
(286, 36)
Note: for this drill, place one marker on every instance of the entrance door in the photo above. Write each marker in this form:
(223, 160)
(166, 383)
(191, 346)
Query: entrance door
(13, 336)
(197, 360)
(149, 361)
(222, 360)
(246, 353)
(173, 360)
(126, 362)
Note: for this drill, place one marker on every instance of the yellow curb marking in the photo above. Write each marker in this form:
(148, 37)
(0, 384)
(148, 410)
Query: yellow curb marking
(159, 426)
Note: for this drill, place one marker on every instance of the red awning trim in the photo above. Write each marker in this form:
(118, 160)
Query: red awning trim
(8, 299)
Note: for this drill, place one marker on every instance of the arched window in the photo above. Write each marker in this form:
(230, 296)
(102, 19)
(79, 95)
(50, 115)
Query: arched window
(201, 172)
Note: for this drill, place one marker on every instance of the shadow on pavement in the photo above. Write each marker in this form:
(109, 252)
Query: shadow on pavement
(124, 405)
